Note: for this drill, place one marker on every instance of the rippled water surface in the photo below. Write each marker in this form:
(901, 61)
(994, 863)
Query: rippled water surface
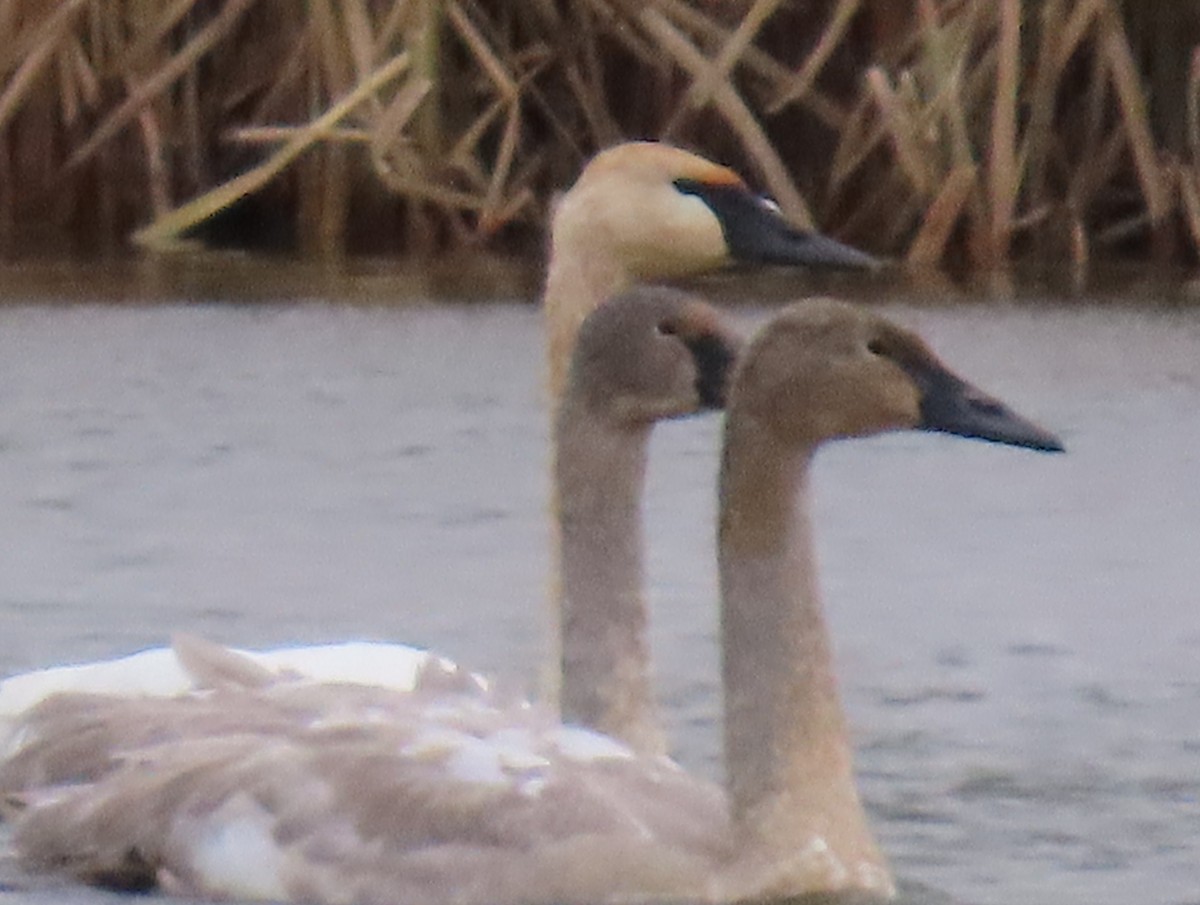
(1018, 635)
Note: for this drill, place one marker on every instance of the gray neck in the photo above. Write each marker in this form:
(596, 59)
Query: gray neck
(789, 761)
(606, 683)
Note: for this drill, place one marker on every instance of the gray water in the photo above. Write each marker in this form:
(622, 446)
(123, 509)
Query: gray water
(1018, 635)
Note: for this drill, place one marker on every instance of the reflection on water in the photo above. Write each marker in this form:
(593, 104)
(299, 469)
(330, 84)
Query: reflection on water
(1018, 635)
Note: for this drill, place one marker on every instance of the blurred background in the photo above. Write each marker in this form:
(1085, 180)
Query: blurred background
(969, 133)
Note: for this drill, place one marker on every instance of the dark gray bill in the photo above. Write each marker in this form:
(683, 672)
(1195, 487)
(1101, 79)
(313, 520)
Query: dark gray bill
(715, 356)
(757, 233)
(951, 405)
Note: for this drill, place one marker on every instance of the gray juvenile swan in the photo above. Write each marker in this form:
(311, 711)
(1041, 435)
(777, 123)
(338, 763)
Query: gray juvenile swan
(649, 355)
(313, 792)
(645, 356)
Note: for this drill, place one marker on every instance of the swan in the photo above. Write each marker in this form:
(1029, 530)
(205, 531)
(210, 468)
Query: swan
(648, 355)
(331, 793)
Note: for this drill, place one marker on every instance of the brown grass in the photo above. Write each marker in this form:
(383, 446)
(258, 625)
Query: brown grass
(955, 132)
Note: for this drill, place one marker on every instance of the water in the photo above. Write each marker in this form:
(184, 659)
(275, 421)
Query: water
(1018, 635)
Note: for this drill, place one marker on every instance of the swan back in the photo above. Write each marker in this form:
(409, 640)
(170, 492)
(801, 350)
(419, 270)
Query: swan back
(334, 793)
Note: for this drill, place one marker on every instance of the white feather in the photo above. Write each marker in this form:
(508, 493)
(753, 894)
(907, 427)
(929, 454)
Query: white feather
(235, 854)
(158, 672)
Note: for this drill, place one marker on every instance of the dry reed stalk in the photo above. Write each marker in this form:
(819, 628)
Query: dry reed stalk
(9, 17)
(832, 36)
(356, 25)
(860, 137)
(585, 75)
(617, 27)
(941, 217)
(947, 55)
(152, 35)
(193, 147)
(69, 101)
(327, 41)
(1193, 108)
(45, 41)
(493, 200)
(166, 229)
(1003, 177)
(153, 85)
(701, 91)
(1080, 250)
(83, 76)
(1132, 104)
(275, 135)
(8, 200)
(335, 200)
(396, 115)
(1189, 190)
(900, 125)
(1071, 34)
(482, 53)
(1047, 76)
(422, 37)
(156, 165)
(761, 64)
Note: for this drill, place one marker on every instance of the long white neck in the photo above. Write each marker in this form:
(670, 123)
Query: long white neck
(578, 280)
(789, 761)
(606, 680)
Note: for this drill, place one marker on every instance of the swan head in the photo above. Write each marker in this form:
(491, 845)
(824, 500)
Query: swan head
(823, 370)
(650, 354)
(653, 211)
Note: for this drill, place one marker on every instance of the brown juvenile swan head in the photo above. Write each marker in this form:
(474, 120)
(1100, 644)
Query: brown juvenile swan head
(825, 370)
(652, 354)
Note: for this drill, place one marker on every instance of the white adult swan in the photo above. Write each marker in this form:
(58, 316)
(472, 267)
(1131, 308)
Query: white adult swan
(324, 793)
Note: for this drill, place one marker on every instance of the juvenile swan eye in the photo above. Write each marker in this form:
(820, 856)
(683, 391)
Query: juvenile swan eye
(876, 347)
(666, 328)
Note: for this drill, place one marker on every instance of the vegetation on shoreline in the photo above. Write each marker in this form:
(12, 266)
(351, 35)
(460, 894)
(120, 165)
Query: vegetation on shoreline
(953, 132)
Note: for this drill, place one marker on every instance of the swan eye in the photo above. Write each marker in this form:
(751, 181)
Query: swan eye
(666, 328)
(769, 203)
(876, 347)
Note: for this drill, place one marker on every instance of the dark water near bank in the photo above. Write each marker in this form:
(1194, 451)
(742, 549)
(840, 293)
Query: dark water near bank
(1018, 635)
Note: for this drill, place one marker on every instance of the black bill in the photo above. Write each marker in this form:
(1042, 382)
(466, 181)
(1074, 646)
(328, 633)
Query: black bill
(757, 233)
(951, 405)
